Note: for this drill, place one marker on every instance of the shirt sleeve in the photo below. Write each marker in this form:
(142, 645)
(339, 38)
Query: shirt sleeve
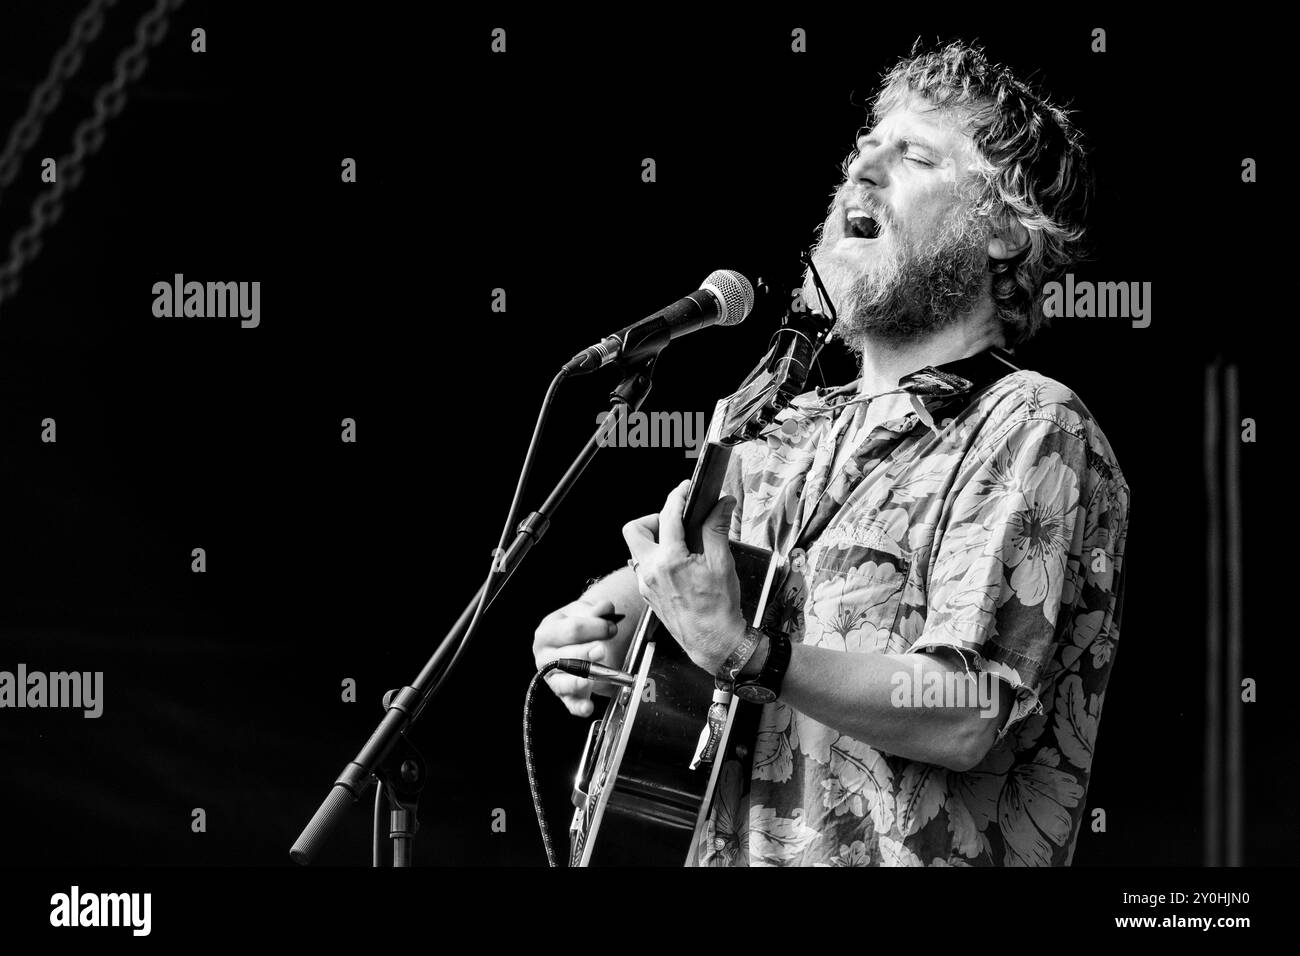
(1009, 557)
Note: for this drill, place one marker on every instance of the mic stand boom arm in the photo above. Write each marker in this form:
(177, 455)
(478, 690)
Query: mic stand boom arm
(404, 706)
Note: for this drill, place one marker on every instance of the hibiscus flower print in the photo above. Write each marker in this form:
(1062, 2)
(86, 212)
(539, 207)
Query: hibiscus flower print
(1039, 529)
(775, 840)
(855, 854)
(855, 611)
(1030, 802)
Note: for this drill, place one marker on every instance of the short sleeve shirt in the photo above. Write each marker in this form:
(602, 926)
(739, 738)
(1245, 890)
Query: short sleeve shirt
(988, 524)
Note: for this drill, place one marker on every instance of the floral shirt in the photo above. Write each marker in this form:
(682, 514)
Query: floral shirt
(988, 523)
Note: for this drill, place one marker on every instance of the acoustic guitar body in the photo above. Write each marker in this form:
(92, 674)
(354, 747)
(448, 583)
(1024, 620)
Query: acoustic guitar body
(635, 785)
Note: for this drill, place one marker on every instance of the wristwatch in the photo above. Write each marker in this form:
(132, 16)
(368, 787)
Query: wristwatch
(766, 686)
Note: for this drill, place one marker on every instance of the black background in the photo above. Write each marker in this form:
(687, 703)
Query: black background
(328, 560)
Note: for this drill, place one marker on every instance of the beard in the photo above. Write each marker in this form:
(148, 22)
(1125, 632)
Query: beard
(909, 289)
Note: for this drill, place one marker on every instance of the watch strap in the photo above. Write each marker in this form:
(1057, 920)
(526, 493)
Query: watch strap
(772, 676)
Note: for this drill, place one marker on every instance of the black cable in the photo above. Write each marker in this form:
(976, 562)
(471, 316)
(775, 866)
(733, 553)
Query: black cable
(533, 445)
(538, 678)
(578, 668)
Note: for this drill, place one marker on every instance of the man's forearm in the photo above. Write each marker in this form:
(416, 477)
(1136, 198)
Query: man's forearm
(855, 694)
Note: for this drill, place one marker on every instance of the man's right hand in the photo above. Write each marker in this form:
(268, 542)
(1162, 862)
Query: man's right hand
(577, 630)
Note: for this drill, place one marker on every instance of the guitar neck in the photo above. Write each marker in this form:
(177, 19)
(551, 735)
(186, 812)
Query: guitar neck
(705, 490)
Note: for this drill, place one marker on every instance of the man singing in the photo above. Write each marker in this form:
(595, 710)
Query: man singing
(951, 607)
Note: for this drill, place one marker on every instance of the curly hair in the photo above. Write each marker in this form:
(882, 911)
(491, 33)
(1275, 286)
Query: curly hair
(1031, 169)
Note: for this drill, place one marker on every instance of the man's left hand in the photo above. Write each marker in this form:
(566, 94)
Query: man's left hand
(695, 596)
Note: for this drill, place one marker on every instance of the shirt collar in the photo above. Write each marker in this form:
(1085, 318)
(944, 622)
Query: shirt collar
(935, 385)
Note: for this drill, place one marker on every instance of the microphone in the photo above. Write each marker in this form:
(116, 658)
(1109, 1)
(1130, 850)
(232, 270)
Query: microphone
(724, 298)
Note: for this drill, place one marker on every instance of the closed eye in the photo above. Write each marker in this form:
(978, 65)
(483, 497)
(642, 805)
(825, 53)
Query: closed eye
(865, 141)
(919, 160)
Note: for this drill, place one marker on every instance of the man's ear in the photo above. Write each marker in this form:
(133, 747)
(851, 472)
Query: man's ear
(1008, 243)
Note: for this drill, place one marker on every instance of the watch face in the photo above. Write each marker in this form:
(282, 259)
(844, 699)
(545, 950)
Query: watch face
(755, 693)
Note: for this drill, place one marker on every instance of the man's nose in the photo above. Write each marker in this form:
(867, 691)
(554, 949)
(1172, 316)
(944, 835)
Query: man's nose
(868, 167)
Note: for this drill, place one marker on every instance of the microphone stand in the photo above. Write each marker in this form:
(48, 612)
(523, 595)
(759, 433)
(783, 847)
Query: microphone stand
(389, 754)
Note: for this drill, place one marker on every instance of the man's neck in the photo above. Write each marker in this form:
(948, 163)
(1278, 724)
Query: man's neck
(884, 363)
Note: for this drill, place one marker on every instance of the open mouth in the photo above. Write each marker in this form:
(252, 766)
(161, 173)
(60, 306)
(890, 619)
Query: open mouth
(861, 226)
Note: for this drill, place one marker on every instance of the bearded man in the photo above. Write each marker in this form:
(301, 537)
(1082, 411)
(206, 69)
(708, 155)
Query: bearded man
(935, 539)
